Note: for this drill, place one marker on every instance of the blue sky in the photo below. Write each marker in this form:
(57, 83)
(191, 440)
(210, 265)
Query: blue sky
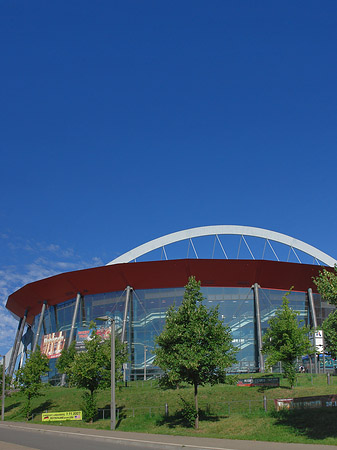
(122, 121)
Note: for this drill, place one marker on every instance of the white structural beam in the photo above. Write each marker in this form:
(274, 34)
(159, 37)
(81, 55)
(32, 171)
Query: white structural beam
(224, 230)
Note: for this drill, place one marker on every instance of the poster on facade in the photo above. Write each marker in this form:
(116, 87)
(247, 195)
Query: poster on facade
(83, 335)
(52, 344)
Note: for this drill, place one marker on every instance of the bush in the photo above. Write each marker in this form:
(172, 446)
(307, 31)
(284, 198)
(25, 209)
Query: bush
(89, 408)
(188, 412)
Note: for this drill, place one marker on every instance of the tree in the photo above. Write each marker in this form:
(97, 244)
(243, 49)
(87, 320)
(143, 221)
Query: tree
(330, 334)
(285, 340)
(194, 346)
(326, 283)
(29, 377)
(63, 364)
(91, 369)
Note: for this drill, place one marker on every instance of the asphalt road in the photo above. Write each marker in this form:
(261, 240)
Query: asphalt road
(21, 436)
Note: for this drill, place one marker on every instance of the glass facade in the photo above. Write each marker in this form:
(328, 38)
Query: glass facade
(145, 319)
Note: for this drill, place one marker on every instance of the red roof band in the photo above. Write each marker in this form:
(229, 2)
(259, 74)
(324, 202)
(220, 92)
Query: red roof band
(161, 274)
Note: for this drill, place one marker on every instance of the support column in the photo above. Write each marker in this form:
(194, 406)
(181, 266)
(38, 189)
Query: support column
(71, 335)
(17, 345)
(14, 346)
(38, 331)
(314, 321)
(127, 301)
(73, 322)
(258, 326)
(312, 308)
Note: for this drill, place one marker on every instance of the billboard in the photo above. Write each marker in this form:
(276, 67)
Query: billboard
(52, 344)
(84, 334)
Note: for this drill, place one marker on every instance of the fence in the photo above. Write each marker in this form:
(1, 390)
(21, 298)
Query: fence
(216, 409)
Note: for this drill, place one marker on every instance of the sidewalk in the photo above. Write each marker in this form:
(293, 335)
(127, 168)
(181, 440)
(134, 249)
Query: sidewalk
(163, 441)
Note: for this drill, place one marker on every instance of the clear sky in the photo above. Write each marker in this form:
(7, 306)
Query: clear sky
(122, 121)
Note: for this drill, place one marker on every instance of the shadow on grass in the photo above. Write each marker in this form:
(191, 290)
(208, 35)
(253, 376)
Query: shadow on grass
(42, 407)
(12, 406)
(312, 423)
(177, 419)
(120, 414)
(263, 389)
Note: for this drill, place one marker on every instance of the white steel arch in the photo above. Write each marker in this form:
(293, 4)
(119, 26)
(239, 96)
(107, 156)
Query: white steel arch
(215, 230)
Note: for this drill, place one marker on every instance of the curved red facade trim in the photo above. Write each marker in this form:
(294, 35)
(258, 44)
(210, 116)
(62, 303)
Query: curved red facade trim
(161, 274)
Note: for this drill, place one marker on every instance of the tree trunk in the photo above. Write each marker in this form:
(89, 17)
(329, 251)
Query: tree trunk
(196, 424)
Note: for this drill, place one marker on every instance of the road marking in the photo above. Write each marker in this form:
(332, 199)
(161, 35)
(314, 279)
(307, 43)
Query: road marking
(118, 438)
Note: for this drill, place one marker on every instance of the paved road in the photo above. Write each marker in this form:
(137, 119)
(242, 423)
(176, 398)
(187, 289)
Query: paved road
(22, 436)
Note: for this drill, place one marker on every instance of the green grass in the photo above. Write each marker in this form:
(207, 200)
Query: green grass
(228, 411)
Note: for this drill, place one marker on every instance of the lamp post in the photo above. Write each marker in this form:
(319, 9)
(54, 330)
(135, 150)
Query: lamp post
(3, 388)
(145, 348)
(112, 379)
(113, 400)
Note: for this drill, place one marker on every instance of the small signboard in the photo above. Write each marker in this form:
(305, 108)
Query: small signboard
(318, 401)
(317, 340)
(264, 382)
(59, 416)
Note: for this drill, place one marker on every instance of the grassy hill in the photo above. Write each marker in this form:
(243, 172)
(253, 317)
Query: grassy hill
(227, 411)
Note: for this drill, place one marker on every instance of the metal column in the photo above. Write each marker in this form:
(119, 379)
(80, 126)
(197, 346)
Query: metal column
(17, 345)
(258, 326)
(127, 301)
(3, 388)
(314, 321)
(39, 326)
(73, 323)
(312, 308)
(71, 335)
(14, 345)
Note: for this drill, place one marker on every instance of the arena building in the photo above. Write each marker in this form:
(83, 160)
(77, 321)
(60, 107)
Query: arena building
(247, 288)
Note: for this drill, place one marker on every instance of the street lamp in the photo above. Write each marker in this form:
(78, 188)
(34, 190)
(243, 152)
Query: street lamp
(3, 388)
(112, 381)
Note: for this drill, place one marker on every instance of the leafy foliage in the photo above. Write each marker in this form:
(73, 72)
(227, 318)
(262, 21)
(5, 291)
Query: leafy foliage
(326, 283)
(64, 362)
(89, 406)
(188, 412)
(194, 346)
(285, 340)
(29, 377)
(330, 333)
(91, 369)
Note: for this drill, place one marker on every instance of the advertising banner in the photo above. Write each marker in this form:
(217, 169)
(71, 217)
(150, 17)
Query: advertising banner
(52, 344)
(83, 335)
(318, 401)
(65, 415)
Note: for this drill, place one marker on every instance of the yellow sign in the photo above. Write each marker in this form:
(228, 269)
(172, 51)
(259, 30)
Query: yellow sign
(66, 415)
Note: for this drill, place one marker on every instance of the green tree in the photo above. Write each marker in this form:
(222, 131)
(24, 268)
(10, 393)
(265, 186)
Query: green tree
(91, 369)
(64, 362)
(285, 340)
(194, 346)
(329, 327)
(29, 377)
(326, 283)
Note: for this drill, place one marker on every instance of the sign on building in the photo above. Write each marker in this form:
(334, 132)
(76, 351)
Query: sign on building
(52, 344)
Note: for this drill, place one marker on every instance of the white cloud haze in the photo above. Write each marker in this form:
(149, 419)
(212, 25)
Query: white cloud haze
(25, 261)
